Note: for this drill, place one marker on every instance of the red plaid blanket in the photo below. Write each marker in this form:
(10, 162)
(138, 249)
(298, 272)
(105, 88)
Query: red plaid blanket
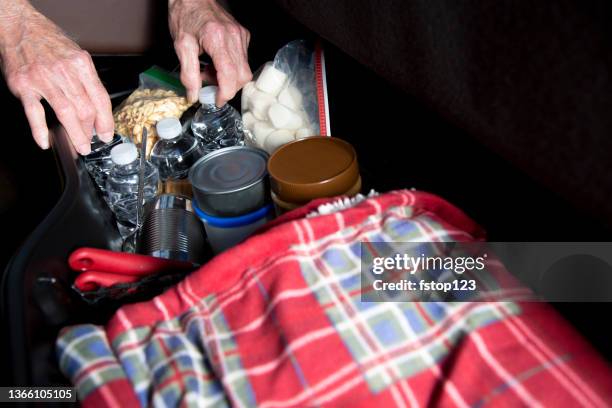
(278, 322)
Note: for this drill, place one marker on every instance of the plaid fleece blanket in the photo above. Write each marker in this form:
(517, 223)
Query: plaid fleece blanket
(278, 322)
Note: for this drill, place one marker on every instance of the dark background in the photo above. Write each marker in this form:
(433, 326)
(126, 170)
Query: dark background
(401, 140)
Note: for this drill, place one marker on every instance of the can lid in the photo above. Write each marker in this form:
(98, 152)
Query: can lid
(312, 160)
(314, 167)
(169, 128)
(229, 170)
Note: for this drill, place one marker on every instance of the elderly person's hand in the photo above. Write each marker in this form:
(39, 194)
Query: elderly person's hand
(203, 26)
(40, 62)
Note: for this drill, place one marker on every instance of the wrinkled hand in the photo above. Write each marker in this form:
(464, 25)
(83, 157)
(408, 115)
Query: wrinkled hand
(40, 62)
(203, 26)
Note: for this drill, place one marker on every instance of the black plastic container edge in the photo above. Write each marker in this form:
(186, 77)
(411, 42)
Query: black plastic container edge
(21, 304)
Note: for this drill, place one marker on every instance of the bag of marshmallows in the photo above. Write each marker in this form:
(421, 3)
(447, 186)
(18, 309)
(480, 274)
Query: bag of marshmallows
(287, 99)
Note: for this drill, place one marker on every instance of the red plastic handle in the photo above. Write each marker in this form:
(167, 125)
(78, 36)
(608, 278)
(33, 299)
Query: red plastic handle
(92, 280)
(102, 260)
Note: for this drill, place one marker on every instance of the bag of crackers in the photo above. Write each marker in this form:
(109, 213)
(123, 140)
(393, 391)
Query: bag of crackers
(159, 95)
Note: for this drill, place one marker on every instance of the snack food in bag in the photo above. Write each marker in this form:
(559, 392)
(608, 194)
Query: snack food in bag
(160, 95)
(287, 99)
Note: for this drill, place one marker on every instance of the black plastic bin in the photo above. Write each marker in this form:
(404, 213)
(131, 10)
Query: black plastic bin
(36, 293)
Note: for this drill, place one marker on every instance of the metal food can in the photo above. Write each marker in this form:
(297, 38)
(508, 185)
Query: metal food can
(230, 182)
(172, 230)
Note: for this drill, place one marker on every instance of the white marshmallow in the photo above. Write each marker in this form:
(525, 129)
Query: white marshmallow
(283, 117)
(278, 138)
(271, 80)
(248, 120)
(247, 94)
(259, 104)
(291, 97)
(301, 133)
(261, 130)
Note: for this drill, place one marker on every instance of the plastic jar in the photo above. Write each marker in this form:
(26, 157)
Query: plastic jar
(225, 232)
(312, 168)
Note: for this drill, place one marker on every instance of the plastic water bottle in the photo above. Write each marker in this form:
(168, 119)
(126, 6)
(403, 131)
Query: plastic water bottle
(174, 154)
(216, 127)
(98, 163)
(122, 185)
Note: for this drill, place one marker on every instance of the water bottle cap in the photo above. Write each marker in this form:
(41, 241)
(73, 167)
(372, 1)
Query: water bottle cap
(169, 128)
(124, 153)
(208, 95)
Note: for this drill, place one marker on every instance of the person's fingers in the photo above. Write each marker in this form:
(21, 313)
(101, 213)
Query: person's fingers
(244, 70)
(245, 74)
(235, 48)
(70, 102)
(226, 76)
(36, 119)
(240, 61)
(85, 111)
(226, 42)
(236, 45)
(188, 52)
(103, 115)
(246, 39)
(215, 41)
(248, 73)
(67, 115)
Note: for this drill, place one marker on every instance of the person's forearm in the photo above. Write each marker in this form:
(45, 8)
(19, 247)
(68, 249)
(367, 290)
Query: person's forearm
(10, 9)
(12, 15)
(171, 2)
(222, 3)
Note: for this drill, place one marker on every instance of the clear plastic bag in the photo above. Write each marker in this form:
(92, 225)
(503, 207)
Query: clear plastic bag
(159, 95)
(287, 99)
